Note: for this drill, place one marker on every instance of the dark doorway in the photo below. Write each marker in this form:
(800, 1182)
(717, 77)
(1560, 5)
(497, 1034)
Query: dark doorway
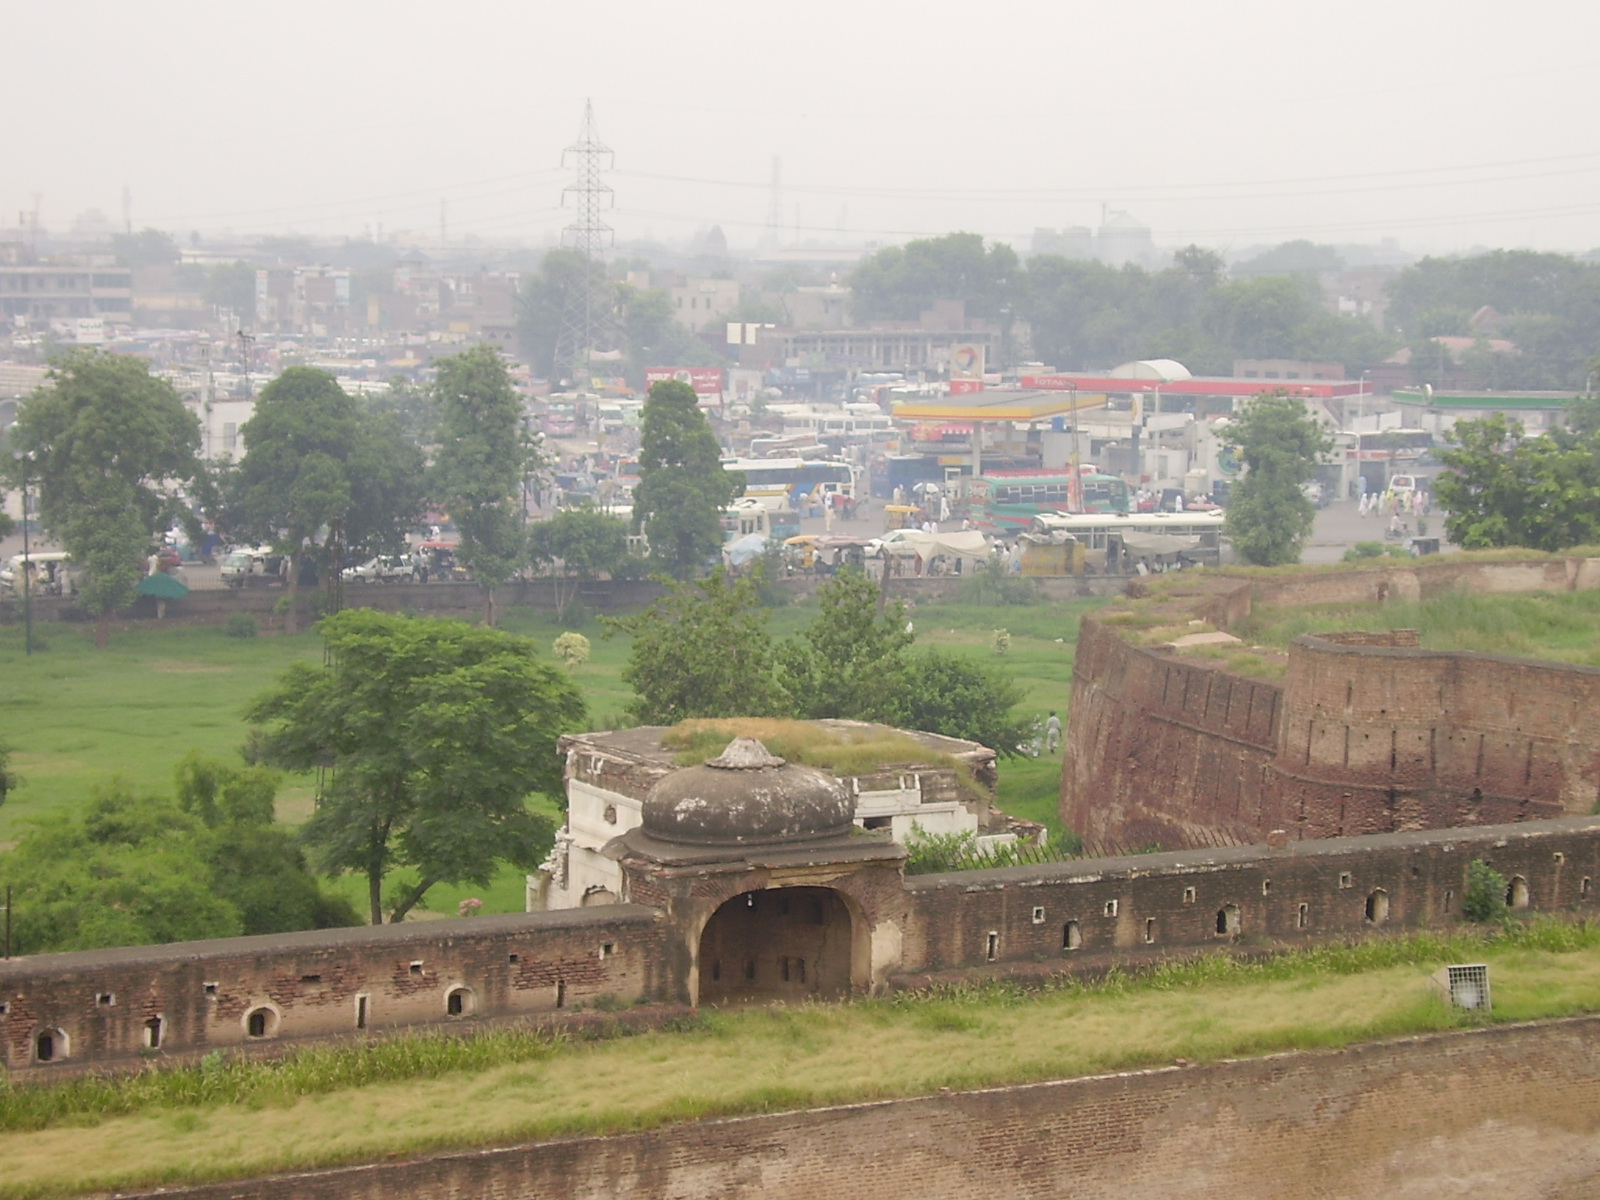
(779, 944)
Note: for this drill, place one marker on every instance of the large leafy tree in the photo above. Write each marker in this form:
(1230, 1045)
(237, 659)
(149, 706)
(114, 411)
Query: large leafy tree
(111, 451)
(851, 660)
(484, 453)
(682, 486)
(135, 869)
(701, 650)
(579, 544)
(1269, 515)
(946, 693)
(321, 477)
(901, 282)
(431, 735)
(1505, 489)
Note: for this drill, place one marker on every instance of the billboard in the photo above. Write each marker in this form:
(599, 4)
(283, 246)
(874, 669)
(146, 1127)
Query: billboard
(706, 381)
(1048, 383)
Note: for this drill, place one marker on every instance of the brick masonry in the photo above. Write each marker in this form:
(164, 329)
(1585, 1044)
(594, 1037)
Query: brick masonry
(1509, 1112)
(1366, 734)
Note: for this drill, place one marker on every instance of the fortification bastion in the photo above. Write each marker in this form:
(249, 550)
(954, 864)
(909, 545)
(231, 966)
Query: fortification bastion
(1365, 733)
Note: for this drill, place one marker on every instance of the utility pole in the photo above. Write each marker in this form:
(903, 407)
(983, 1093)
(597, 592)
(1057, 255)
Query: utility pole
(774, 230)
(587, 316)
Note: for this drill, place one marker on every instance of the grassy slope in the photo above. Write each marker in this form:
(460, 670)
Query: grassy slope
(779, 1057)
(78, 716)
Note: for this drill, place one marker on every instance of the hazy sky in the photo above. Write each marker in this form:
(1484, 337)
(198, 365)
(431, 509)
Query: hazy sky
(1443, 125)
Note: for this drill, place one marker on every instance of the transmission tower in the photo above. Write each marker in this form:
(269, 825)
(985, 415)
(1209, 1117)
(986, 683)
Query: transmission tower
(587, 322)
(773, 233)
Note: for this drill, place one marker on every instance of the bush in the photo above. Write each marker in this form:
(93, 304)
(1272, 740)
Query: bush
(240, 625)
(1485, 899)
(993, 584)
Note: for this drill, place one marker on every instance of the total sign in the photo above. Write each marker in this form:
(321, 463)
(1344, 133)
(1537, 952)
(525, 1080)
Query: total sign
(706, 381)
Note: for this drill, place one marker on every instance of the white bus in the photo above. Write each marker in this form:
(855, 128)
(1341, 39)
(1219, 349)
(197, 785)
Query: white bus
(1116, 541)
(792, 478)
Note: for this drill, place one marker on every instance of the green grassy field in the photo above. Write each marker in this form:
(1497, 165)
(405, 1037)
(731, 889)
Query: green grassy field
(431, 1091)
(77, 716)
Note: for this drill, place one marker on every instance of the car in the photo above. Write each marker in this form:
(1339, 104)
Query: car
(246, 567)
(385, 568)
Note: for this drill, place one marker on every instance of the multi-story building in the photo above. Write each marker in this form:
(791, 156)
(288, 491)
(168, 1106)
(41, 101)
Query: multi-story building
(35, 295)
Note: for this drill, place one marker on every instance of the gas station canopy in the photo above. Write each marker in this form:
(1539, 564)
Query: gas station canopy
(997, 406)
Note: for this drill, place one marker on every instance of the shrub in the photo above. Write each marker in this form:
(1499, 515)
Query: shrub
(572, 649)
(240, 625)
(1485, 899)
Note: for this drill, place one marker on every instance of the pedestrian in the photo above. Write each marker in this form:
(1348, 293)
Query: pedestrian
(1052, 733)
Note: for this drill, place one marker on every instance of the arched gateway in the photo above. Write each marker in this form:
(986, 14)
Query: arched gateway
(776, 893)
(787, 943)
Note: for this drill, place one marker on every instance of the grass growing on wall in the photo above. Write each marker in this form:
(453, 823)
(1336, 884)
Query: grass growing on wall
(1562, 626)
(434, 1091)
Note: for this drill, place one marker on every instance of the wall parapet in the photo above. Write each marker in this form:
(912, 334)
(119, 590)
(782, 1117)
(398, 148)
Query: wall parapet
(1370, 733)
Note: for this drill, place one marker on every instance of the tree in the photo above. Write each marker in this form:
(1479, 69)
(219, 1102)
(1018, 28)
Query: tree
(945, 693)
(483, 454)
(112, 451)
(584, 541)
(702, 650)
(1504, 489)
(431, 735)
(147, 248)
(682, 487)
(901, 282)
(851, 660)
(321, 477)
(1280, 445)
(233, 286)
(135, 869)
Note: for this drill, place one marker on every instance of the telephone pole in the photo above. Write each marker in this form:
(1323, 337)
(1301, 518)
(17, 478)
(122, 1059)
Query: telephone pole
(586, 317)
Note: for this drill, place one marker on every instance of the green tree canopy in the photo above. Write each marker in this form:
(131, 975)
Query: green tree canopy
(682, 486)
(147, 248)
(431, 735)
(137, 869)
(1506, 489)
(701, 650)
(946, 693)
(901, 282)
(1280, 445)
(111, 450)
(320, 476)
(851, 660)
(582, 543)
(484, 453)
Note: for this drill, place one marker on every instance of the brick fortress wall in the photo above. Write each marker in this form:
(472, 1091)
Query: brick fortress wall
(1366, 734)
(1086, 914)
(1508, 1112)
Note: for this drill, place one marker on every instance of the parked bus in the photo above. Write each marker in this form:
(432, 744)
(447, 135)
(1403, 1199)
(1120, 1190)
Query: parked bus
(1007, 501)
(793, 478)
(1115, 542)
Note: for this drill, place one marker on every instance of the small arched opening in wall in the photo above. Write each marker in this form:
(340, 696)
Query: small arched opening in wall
(1228, 921)
(51, 1045)
(1517, 892)
(1377, 906)
(153, 1029)
(778, 944)
(460, 1002)
(261, 1022)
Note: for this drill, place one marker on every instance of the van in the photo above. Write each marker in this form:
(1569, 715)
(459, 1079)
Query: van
(53, 573)
(258, 567)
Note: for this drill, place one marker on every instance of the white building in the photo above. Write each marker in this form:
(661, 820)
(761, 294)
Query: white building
(609, 775)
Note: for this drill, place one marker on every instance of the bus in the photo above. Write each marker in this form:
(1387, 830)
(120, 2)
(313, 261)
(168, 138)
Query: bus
(793, 478)
(1114, 542)
(1008, 500)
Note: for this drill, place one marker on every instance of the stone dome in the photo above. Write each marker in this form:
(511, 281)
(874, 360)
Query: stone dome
(746, 796)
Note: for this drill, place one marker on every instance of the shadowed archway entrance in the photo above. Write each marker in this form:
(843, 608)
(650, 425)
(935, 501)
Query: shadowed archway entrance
(790, 943)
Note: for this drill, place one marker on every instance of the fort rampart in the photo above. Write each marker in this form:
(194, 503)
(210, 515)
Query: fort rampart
(137, 1004)
(1367, 733)
(1508, 1112)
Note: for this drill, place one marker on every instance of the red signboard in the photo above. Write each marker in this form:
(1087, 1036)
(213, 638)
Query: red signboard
(1048, 383)
(706, 381)
(963, 387)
